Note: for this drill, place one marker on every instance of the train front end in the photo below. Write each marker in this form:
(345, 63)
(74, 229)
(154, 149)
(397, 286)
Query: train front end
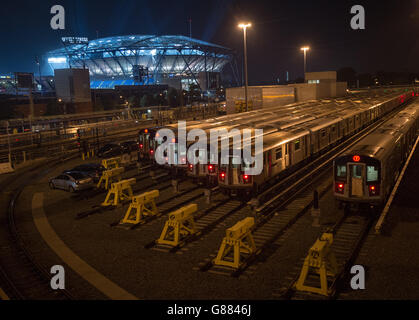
(358, 179)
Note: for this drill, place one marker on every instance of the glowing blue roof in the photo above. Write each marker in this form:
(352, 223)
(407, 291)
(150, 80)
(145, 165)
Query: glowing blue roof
(172, 55)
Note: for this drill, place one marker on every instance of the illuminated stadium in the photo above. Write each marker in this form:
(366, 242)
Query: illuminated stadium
(141, 59)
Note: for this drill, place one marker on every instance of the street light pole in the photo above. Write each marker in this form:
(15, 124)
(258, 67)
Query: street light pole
(305, 49)
(244, 27)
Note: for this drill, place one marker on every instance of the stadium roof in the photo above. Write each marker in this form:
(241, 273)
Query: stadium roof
(140, 41)
(164, 56)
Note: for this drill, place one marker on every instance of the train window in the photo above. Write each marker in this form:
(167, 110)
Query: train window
(323, 132)
(297, 144)
(286, 149)
(357, 171)
(278, 153)
(341, 171)
(236, 161)
(333, 128)
(372, 173)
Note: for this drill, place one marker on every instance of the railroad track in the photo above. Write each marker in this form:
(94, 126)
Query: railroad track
(349, 233)
(172, 203)
(21, 276)
(205, 221)
(156, 183)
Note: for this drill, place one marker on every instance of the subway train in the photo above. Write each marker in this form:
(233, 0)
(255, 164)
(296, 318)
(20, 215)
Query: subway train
(148, 141)
(287, 149)
(207, 173)
(292, 134)
(367, 172)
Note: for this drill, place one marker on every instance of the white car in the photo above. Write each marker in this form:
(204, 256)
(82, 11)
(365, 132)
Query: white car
(71, 182)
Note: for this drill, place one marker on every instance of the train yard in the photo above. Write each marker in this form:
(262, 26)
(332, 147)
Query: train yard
(157, 235)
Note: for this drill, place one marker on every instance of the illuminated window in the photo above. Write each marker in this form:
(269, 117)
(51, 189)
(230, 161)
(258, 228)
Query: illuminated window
(357, 171)
(341, 171)
(297, 144)
(372, 173)
(314, 81)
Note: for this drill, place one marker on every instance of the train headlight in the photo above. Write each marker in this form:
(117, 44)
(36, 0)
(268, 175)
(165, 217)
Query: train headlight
(339, 187)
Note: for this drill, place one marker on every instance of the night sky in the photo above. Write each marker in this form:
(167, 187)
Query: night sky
(279, 29)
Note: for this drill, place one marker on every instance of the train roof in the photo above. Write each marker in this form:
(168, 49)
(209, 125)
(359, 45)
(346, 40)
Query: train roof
(383, 139)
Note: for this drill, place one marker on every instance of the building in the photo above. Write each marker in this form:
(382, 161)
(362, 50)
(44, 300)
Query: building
(258, 97)
(72, 85)
(318, 85)
(142, 60)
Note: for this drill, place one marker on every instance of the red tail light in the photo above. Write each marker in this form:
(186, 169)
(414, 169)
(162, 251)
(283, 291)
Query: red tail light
(191, 167)
(141, 146)
(339, 187)
(222, 175)
(210, 168)
(246, 178)
(151, 151)
(374, 190)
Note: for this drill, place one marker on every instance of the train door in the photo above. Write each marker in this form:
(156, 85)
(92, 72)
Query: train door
(356, 179)
(287, 156)
(265, 165)
(234, 169)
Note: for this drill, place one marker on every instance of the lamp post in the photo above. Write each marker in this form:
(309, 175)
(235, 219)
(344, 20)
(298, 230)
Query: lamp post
(244, 26)
(305, 49)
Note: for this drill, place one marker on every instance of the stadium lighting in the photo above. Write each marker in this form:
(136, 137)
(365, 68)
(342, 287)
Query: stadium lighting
(244, 26)
(305, 49)
(57, 60)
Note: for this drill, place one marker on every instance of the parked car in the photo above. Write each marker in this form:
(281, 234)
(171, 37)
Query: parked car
(110, 150)
(93, 170)
(71, 182)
